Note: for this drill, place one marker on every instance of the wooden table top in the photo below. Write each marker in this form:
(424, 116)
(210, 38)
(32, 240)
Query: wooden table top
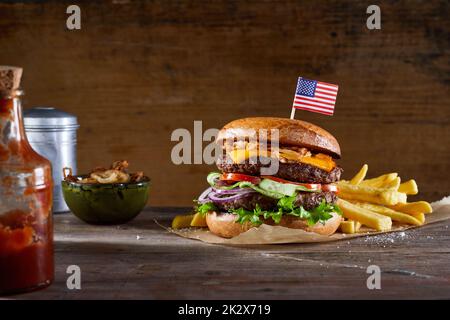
(140, 260)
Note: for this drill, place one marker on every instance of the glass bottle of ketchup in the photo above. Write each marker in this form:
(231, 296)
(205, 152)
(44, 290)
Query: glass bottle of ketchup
(26, 230)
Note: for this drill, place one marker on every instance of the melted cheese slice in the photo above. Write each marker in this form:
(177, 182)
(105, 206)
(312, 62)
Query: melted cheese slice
(240, 155)
(319, 160)
(290, 155)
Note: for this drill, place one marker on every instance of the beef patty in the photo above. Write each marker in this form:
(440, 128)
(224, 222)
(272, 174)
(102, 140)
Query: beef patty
(292, 171)
(249, 203)
(309, 200)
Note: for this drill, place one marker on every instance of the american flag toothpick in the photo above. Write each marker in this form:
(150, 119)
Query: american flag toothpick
(315, 96)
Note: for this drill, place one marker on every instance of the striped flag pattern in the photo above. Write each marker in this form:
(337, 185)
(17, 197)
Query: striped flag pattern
(315, 96)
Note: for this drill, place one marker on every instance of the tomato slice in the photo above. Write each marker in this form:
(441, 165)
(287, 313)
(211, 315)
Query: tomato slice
(330, 188)
(257, 180)
(239, 177)
(312, 186)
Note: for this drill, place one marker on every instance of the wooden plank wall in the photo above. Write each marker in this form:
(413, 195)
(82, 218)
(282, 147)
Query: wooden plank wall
(137, 70)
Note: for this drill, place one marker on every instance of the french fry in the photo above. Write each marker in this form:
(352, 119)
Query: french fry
(394, 184)
(409, 187)
(347, 226)
(198, 220)
(367, 217)
(394, 215)
(182, 221)
(380, 181)
(350, 226)
(364, 201)
(419, 216)
(413, 207)
(360, 175)
(370, 194)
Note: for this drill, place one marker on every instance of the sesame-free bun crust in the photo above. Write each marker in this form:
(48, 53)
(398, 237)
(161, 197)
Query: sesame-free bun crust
(292, 133)
(330, 226)
(225, 225)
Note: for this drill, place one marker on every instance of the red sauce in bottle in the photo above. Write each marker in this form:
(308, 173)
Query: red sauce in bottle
(26, 229)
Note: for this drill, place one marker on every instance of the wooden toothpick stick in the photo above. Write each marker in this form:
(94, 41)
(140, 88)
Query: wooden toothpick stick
(293, 113)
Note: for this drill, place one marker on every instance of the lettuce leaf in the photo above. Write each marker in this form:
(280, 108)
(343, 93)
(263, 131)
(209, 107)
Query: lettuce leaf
(257, 188)
(286, 207)
(287, 189)
(204, 208)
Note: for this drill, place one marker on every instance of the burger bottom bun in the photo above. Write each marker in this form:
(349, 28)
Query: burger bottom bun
(225, 225)
(326, 229)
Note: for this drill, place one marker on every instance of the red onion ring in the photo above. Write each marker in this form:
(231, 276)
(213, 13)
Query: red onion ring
(219, 195)
(232, 191)
(204, 196)
(214, 196)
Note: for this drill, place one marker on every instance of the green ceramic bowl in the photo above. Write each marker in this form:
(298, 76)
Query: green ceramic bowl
(96, 203)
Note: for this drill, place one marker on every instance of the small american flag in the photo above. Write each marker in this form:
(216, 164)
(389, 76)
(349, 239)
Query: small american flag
(315, 96)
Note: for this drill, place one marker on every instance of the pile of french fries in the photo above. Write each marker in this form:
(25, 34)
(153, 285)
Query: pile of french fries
(377, 202)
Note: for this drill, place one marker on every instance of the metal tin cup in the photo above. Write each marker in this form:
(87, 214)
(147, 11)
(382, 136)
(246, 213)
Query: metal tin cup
(53, 134)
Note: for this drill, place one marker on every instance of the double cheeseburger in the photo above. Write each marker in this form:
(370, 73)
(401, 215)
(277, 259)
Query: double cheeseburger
(299, 195)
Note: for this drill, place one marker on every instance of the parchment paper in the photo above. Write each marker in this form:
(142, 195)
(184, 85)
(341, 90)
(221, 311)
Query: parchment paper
(266, 234)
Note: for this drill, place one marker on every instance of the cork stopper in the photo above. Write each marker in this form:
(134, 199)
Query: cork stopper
(9, 79)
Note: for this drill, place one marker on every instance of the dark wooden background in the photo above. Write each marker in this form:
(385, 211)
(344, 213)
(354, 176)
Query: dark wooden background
(137, 70)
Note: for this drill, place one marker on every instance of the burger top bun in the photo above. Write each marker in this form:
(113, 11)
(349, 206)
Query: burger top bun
(225, 224)
(292, 132)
